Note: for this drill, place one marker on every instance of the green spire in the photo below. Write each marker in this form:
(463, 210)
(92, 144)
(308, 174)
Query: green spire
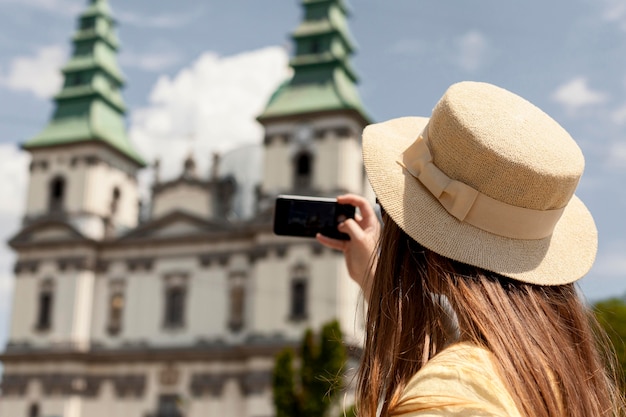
(323, 79)
(90, 106)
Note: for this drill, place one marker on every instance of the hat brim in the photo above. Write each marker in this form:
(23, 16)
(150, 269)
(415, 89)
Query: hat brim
(561, 258)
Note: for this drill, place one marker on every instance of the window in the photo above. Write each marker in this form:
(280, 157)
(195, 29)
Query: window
(77, 78)
(303, 170)
(44, 314)
(57, 194)
(115, 200)
(315, 46)
(33, 410)
(299, 293)
(87, 23)
(169, 406)
(116, 310)
(298, 299)
(174, 307)
(175, 301)
(237, 298)
(82, 49)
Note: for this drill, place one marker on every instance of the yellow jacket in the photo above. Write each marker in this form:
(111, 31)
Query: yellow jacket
(461, 381)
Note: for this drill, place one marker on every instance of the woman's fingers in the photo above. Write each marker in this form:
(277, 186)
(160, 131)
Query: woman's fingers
(330, 242)
(368, 216)
(352, 229)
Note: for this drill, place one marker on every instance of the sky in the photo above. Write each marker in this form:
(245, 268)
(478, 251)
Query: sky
(198, 72)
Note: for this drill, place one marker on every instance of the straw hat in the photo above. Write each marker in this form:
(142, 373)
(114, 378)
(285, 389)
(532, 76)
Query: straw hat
(488, 180)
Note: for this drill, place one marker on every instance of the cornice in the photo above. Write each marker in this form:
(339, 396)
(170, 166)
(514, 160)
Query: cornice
(201, 351)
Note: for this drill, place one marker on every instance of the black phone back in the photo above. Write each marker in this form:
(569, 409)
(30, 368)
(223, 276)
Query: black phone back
(307, 216)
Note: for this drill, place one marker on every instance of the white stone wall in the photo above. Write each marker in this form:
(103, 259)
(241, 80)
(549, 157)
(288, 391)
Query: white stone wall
(186, 197)
(71, 309)
(331, 293)
(277, 166)
(233, 402)
(81, 298)
(337, 163)
(89, 187)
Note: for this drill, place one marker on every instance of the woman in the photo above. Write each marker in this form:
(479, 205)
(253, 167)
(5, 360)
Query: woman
(472, 305)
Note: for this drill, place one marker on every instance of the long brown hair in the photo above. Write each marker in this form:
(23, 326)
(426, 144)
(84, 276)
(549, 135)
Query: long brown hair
(544, 339)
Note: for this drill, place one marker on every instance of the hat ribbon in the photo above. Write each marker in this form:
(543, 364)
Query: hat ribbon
(470, 205)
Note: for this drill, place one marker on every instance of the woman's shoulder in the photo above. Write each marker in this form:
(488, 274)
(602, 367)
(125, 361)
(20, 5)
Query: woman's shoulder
(461, 380)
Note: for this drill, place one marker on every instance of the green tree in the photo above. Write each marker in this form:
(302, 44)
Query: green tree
(611, 314)
(320, 374)
(284, 390)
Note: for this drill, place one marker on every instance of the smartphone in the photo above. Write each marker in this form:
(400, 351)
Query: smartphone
(307, 216)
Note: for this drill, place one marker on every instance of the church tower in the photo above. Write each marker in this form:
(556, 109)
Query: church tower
(83, 167)
(313, 122)
(82, 191)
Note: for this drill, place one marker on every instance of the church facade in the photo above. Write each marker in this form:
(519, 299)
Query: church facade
(180, 311)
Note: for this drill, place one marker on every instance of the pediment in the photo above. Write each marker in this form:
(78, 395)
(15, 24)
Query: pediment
(47, 233)
(177, 228)
(175, 225)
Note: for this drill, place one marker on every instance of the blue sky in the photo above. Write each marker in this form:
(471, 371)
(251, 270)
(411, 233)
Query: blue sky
(198, 73)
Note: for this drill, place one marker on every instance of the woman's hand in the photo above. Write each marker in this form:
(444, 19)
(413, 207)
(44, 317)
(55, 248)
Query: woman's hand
(360, 250)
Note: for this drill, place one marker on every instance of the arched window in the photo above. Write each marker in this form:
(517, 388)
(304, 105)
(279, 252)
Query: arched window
(175, 302)
(303, 170)
(115, 200)
(298, 299)
(315, 46)
(33, 410)
(237, 296)
(57, 194)
(169, 406)
(116, 310)
(44, 313)
(174, 306)
(299, 293)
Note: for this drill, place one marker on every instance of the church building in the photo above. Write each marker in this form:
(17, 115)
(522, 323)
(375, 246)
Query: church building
(176, 310)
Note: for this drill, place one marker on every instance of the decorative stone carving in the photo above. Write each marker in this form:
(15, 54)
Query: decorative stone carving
(139, 264)
(222, 259)
(169, 376)
(281, 250)
(254, 383)
(102, 266)
(256, 253)
(30, 266)
(250, 383)
(207, 384)
(14, 385)
(129, 385)
(77, 263)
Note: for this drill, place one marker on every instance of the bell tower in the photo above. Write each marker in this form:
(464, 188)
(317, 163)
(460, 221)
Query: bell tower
(83, 166)
(82, 191)
(313, 122)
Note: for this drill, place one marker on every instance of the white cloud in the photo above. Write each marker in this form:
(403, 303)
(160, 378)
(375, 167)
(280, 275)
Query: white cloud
(209, 106)
(39, 74)
(472, 50)
(615, 11)
(576, 94)
(157, 61)
(13, 178)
